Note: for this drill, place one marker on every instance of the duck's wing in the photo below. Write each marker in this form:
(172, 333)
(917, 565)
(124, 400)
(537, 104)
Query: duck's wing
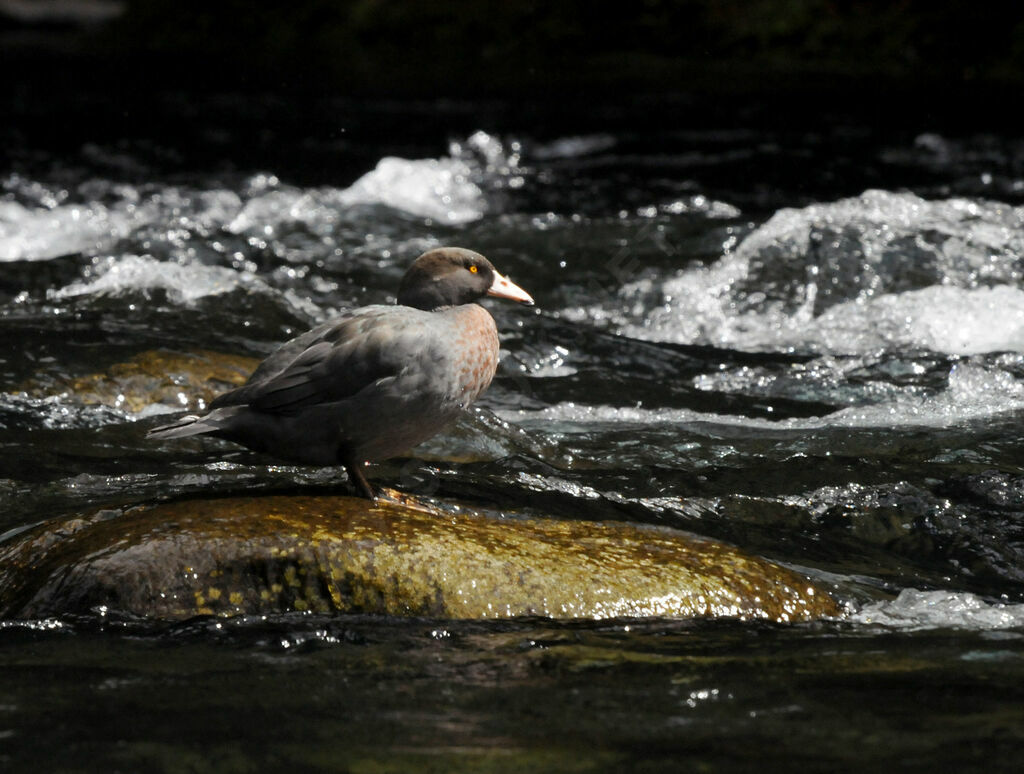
(329, 363)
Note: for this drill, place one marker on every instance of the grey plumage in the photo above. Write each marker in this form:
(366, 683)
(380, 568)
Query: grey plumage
(371, 383)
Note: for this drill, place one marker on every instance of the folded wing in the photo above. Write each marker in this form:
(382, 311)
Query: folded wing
(330, 363)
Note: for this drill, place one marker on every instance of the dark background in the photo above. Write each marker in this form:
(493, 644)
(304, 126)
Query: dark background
(262, 83)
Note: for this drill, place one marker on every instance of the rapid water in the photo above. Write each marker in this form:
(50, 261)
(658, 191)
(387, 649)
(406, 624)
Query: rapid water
(822, 369)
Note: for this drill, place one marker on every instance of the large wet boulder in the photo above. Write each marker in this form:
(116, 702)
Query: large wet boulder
(342, 555)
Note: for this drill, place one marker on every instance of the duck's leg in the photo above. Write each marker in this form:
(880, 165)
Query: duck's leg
(358, 480)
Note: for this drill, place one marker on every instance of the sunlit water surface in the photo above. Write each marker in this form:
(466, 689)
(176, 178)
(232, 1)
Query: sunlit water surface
(825, 373)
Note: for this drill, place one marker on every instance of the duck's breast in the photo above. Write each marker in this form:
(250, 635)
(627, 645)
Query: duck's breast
(474, 347)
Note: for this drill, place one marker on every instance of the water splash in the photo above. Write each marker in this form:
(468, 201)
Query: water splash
(916, 610)
(449, 189)
(441, 189)
(39, 234)
(939, 318)
(40, 223)
(878, 271)
(972, 391)
(184, 282)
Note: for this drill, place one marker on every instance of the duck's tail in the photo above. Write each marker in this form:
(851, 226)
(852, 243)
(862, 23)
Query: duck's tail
(191, 424)
(218, 422)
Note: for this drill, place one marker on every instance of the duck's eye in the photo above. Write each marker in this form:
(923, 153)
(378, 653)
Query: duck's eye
(473, 268)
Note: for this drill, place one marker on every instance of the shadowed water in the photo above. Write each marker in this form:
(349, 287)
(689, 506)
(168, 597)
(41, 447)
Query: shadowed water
(822, 369)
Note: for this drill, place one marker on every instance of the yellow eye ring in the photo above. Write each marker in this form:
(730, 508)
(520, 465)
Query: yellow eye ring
(474, 269)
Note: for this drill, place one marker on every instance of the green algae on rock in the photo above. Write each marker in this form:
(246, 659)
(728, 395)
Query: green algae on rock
(188, 381)
(343, 555)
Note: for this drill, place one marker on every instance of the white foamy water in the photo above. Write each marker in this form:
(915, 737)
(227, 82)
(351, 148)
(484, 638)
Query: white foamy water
(441, 189)
(54, 229)
(876, 272)
(445, 189)
(34, 234)
(914, 609)
(940, 318)
(880, 237)
(184, 282)
(973, 391)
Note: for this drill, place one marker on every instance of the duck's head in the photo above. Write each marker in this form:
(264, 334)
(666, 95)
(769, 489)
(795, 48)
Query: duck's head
(450, 276)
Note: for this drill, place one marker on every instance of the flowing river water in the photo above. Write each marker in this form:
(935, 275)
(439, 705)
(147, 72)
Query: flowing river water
(810, 346)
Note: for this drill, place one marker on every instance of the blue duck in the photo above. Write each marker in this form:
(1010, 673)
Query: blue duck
(375, 381)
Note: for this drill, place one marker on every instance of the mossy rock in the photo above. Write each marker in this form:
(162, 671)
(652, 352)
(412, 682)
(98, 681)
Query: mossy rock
(187, 381)
(343, 555)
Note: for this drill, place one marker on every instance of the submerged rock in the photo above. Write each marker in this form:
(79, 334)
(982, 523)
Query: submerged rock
(343, 555)
(184, 380)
